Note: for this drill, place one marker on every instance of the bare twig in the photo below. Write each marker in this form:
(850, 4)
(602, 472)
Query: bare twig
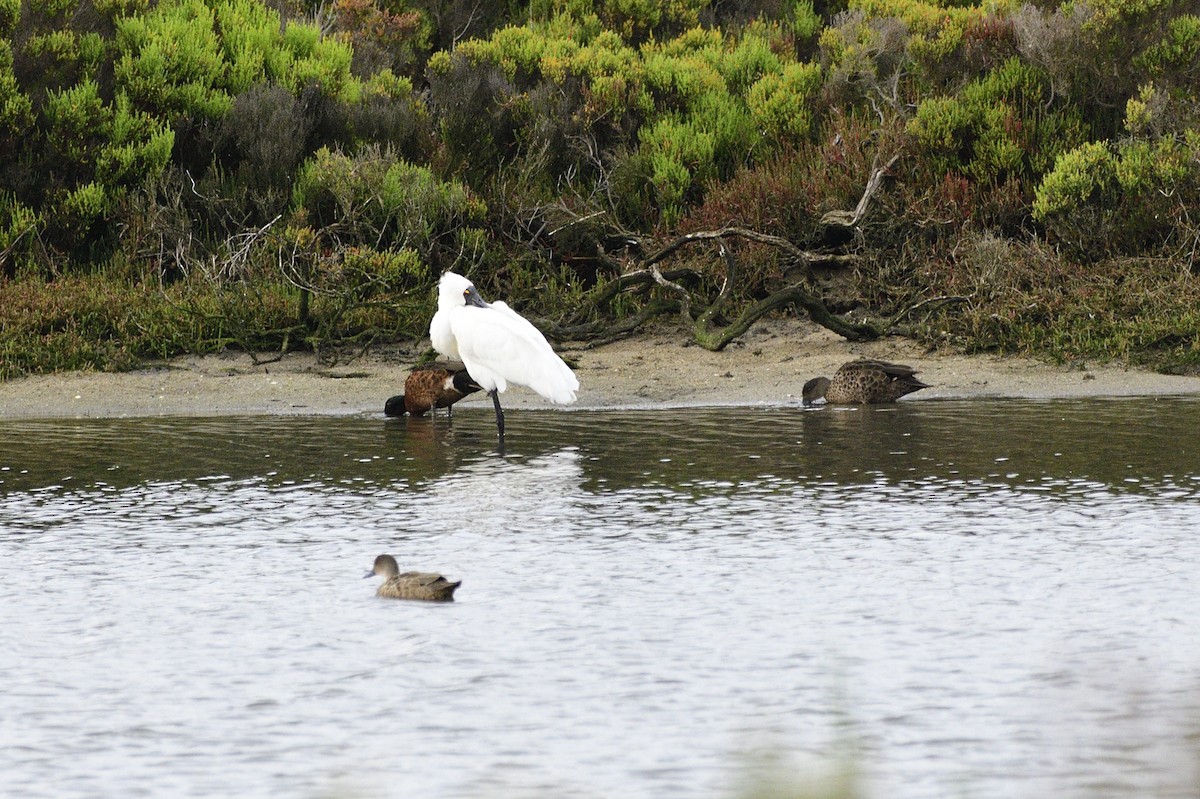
(850, 219)
(932, 303)
(685, 300)
(576, 221)
(597, 333)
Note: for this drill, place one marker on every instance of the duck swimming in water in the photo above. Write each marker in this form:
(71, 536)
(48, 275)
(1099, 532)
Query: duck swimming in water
(863, 382)
(429, 586)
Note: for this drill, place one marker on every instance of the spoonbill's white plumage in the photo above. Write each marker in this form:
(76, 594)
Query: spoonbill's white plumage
(497, 345)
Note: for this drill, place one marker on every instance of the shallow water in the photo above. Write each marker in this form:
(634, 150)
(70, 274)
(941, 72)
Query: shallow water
(978, 599)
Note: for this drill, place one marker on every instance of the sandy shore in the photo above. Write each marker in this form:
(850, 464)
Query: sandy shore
(767, 366)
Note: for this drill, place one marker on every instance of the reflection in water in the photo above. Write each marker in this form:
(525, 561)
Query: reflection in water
(990, 599)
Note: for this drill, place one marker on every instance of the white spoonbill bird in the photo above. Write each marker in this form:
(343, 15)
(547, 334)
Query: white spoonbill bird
(497, 345)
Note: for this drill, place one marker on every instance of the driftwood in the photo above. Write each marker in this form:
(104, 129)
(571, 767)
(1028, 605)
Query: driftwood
(641, 270)
(850, 219)
(717, 339)
(703, 324)
(648, 275)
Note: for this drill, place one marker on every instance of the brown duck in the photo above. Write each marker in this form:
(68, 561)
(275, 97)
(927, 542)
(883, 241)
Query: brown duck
(433, 385)
(411, 585)
(863, 382)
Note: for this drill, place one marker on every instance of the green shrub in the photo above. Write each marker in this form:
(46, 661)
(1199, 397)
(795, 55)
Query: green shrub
(114, 9)
(563, 97)
(16, 109)
(115, 144)
(73, 117)
(781, 103)
(19, 227)
(1103, 199)
(751, 58)
(937, 29)
(364, 274)
(138, 147)
(10, 13)
(171, 60)
(806, 23)
(636, 20)
(375, 200)
(62, 58)
(678, 155)
(1080, 177)
(93, 153)
(192, 57)
(997, 128)
(52, 9)
(1177, 52)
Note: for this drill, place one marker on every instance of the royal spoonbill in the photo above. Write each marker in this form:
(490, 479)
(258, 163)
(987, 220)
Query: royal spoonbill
(433, 385)
(410, 585)
(497, 345)
(863, 381)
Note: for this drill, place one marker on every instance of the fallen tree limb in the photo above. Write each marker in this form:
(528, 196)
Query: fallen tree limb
(602, 332)
(933, 303)
(717, 339)
(805, 257)
(704, 324)
(850, 219)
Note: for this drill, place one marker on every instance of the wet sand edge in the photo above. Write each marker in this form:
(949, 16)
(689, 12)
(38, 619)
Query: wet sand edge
(767, 367)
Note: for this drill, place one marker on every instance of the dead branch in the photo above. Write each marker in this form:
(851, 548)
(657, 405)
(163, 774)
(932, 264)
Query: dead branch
(792, 295)
(933, 303)
(595, 334)
(685, 300)
(850, 219)
(805, 257)
(717, 339)
(704, 329)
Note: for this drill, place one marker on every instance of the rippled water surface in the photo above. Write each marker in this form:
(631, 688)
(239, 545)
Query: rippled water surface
(976, 599)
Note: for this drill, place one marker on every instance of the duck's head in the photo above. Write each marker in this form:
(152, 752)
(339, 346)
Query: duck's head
(385, 566)
(455, 290)
(814, 390)
(394, 406)
(463, 383)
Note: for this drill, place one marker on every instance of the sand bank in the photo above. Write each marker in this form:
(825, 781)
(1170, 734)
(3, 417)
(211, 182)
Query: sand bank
(767, 366)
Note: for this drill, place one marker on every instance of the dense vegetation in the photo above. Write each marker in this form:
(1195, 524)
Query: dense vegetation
(185, 175)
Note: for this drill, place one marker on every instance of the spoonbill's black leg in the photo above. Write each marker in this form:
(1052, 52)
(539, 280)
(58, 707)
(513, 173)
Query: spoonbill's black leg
(499, 417)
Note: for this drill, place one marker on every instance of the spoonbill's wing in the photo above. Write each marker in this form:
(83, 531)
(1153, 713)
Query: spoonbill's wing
(500, 346)
(442, 336)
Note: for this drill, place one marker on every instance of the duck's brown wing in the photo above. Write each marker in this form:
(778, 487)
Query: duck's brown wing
(899, 379)
(425, 579)
(448, 367)
(892, 370)
(422, 389)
